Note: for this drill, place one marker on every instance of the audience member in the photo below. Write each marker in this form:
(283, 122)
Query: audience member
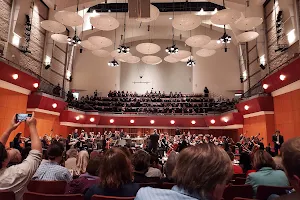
(291, 162)
(82, 161)
(17, 141)
(115, 176)
(14, 155)
(51, 170)
(86, 180)
(201, 172)
(169, 167)
(154, 169)
(141, 163)
(236, 168)
(70, 163)
(16, 178)
(266, 172)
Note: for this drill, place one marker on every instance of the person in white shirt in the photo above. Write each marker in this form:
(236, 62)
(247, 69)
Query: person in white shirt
(16, 177)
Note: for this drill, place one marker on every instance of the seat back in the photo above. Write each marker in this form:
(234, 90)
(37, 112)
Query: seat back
(100, 197)
(167, 185)
(264, 191)
(7, 195)
(153, 185)
(47, 187)
(244, 191)
(239, 181)
(38, 196)
(238, 176)
(239, 198)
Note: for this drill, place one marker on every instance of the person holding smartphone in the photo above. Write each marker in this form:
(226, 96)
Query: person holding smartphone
(16, 178)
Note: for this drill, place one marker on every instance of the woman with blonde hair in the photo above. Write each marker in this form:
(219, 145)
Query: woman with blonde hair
(71, 161)
(82, 161)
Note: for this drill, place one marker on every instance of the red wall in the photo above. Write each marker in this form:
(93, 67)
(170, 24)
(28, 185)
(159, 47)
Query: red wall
(287, 114)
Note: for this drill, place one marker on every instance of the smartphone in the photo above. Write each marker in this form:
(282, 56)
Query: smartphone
(22, 117)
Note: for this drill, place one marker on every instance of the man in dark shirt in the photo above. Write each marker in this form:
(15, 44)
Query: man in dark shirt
(153, 141)
(278, 141)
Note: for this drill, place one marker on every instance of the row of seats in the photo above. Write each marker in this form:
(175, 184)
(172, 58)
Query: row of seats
(54, 190)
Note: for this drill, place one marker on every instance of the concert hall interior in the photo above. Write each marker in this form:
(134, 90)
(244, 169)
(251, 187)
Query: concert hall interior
(100, 74)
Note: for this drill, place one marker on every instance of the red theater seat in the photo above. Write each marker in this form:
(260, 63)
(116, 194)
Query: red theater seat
(244, 191)
(167, 185)
(100, 197)
(263, 191)
(47, 187)
(7, 195)
(38, 196)
(239, 181)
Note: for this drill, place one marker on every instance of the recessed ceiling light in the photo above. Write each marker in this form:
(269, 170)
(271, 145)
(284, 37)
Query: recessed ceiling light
(170, 18)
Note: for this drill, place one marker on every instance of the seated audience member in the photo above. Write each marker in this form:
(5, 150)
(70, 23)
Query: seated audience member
(141, 162)
(201, 172)
(278, 162)
(16, 178)
(236, 168)
(115, 176)
(82, 161)
(51, 170)
(266, 172)
(169, 167)
(17, 141)
(86, 180)
(291, 161)
(70, 163)
(154, 169)
(14, 156)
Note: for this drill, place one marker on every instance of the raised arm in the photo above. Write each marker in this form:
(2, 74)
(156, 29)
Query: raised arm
(35, 140)
(13, 125)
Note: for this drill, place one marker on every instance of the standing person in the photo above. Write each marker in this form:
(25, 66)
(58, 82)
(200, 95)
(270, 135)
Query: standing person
(153, 145)
(75, 134)
(278, 140)
(16, 178)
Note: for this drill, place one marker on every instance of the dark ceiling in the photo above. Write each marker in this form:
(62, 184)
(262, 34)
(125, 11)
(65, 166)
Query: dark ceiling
(163, 7)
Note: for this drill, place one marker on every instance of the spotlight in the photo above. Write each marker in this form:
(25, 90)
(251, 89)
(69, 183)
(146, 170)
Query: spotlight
(172, 122)
(113, 63)
(131, 121)
(54, 105)
(265, 86)
(77, 118)
(282, 77)
(246, 107)
(92, 119)
(262, 66)
(35, 85)
(190, 63)
(212, 121)
(193, 122)
(123, 49)
(81, 50)
(172, 49)
(15, 76)
(74, 40)
(170, 18)
(242, 79)
(47, 66)
(111, 121)
(225, 119)
(152, 121)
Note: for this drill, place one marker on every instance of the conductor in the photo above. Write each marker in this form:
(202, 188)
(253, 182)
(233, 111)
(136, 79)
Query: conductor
(278, 141)
(153, 145)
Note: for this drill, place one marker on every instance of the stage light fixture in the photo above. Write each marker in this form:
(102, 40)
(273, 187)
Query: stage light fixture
(111, 121)
(15, 76)
(265, 86)
(172, 122)
(77, 118)
(225, 119)
(152, 121)
(74, 41)
(172, 49)
(212, 121)
(54, 105)
(92, 119)
(246, 107)
(123, 49)
(282, 77)
(47, 66)
(113, 63)
(131, 121)
(35, 85)
(193, 122)
(190, 62)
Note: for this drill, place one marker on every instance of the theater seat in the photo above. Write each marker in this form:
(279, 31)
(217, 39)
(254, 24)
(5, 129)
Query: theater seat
(264, 191)
(7, 195)
(154, 185)
(244, 191)
(239, 181)
(167, 185)
(238, 176)
(38, 196)
(47, 187)
(100, 197)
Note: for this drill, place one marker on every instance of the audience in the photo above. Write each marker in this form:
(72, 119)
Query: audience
(141, 163)
(236, 168)
(169, 167)
(154, 169)
(291, 162)
(201, 172)
(16, 177)
(51, 170)
(71, 161)
(82, 161)
(17, 141)
(86, 180)
(266, 172)
(115, 176)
